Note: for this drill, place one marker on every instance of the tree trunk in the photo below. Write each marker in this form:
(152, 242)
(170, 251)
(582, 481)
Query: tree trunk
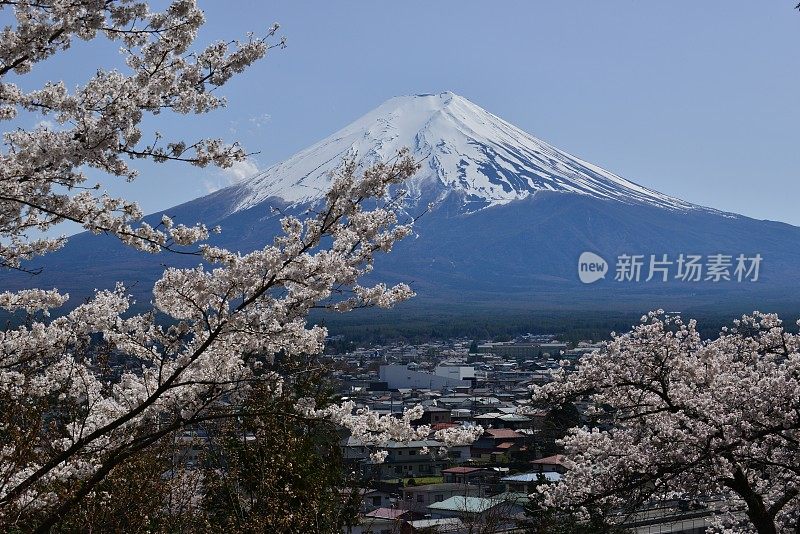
(761, 519)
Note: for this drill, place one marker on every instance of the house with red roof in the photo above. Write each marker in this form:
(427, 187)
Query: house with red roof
(498, 444)
(383, 520)
(468, 475)
(442, 426)
(550, 464)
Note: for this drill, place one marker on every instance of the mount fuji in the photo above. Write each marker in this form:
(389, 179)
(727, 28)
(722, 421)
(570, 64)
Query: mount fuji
(511, 216)
(464, 149)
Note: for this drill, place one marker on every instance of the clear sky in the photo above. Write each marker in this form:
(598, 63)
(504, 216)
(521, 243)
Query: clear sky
(700, 100)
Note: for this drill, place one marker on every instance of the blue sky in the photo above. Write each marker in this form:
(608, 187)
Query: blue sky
(700, 100)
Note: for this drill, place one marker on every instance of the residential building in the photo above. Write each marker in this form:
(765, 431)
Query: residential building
(497, 444)
(488, 512)
(407, 460)
(418, 498)
(400, 376)
(527, 482)
(553, 463)
(467, 475)
(382, 521)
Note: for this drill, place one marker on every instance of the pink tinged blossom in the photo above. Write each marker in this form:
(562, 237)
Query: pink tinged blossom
(219, 314)
(687, 416)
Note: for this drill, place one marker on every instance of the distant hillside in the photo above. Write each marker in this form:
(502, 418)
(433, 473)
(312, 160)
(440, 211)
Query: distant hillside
(512, 216)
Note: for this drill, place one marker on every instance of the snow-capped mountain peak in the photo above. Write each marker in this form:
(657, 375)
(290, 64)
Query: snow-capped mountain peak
(463, 148)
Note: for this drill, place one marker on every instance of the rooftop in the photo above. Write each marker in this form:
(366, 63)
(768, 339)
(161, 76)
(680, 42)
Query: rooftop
(513, 497)
(503, 433)
(412, 444)
(533, 477)
(556, 459)
(437, 525)
(457, 503)
(513, 418)
(387, 513)
(443, 486)
(461, 470)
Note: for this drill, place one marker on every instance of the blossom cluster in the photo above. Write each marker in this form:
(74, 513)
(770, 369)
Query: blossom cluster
(85, 391)
(245, 305)
(674, 414)
(374, 430)
(98, 125)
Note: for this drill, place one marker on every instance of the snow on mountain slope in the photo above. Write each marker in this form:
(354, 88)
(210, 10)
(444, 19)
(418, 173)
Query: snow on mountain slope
(549, 208)
(463, 148)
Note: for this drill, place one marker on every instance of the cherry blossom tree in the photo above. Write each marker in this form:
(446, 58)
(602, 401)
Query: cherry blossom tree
(677, 415)
(68, 418)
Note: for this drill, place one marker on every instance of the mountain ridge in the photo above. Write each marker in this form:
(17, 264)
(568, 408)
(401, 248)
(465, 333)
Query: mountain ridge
(504, 239)
(461, 147)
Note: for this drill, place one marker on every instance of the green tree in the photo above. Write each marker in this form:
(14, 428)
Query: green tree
(543, 520)
(274, 471)
(556, 424)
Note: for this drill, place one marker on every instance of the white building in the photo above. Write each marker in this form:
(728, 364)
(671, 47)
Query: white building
(455, 371)
(401, 377)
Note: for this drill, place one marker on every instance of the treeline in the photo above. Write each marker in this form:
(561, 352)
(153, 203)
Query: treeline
(423, 325)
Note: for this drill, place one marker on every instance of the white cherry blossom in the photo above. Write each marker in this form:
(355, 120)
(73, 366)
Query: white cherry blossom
(85, 391)
(678, 415)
